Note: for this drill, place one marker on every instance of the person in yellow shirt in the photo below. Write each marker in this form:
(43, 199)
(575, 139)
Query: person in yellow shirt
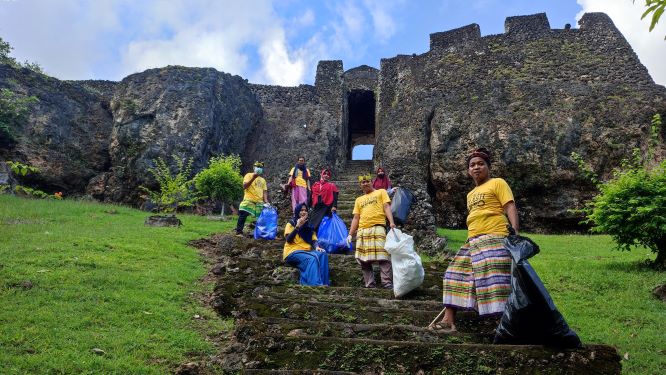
(299, 181)
(479, 276)
(301, 250)
(371, 210)
(255, 195)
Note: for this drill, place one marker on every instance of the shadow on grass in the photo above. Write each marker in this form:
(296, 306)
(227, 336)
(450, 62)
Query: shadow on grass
(642, 266)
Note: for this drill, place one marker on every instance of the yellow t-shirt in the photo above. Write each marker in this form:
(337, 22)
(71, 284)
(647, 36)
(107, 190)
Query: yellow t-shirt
(298, 244)
(254, 192)
(371, 208)
(485, 204)
(300, 181)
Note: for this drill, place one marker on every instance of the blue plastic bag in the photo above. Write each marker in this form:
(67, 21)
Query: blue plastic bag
(400, 204)
(266, 225)
(332, 235)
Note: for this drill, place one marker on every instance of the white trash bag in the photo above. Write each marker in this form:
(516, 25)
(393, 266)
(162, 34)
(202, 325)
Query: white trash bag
(408, 271)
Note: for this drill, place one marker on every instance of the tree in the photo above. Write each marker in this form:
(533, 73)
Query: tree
(175, 189)
(656, 7)
(222, 180)
(6, 49)
(631, 207)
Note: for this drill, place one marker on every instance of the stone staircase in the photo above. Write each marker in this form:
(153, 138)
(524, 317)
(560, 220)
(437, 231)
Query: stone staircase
(284, 328)
(347, 183)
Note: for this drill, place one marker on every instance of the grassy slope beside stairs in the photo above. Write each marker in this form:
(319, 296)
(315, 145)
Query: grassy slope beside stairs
(75, 276)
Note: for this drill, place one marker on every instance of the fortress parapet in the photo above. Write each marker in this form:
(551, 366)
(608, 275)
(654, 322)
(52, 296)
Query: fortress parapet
(460, 36)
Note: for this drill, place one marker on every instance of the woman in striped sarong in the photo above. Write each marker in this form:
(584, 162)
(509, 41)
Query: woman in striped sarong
(479, 276)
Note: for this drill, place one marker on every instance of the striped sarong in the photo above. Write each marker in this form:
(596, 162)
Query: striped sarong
(370, 244)
(479, 276)
(251, 207)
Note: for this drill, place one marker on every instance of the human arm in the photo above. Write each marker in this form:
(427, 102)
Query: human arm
(354, 225)
(512, 213)
(247, 184)
(266, 197)
(389, 214)
(335, 201)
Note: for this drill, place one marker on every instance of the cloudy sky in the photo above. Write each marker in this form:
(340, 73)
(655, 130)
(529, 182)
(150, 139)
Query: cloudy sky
(273, 41)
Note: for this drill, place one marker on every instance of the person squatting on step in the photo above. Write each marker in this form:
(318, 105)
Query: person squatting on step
(479, 276)
(299, 181)
(301, 250)
(371, 210)
(255, 194)
(324, 198)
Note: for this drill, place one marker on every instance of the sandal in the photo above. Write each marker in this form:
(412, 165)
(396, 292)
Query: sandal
(442, 327)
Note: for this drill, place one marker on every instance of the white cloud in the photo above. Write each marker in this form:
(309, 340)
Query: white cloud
(278, 67)
(383, 23)
(626, 15)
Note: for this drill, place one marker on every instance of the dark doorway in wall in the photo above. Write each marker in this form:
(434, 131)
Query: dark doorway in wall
(361, 111)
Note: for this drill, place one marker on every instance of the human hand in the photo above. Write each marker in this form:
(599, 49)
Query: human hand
(349, 240)
(334, 209)
(300, 221)
(320, 249)
(392, 225)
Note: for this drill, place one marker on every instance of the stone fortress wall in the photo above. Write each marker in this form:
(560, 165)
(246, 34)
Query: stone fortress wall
(533, 95)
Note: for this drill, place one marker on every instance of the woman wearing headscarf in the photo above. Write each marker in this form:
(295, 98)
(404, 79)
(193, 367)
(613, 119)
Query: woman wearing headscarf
(299, 181)
(324, 198)
(301, 250)
(479, 276)
(382, 181)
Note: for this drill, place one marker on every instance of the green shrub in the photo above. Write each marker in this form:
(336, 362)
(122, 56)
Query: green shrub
(175, 189)
(222, 180)
(631, 207)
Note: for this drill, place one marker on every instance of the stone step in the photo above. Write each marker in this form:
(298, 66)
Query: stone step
(395, 332)
(369, 356)
(251, 307)
(344, 270)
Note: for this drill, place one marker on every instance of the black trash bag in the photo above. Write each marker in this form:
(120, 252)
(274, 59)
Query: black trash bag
(530, 316)
(400, 205)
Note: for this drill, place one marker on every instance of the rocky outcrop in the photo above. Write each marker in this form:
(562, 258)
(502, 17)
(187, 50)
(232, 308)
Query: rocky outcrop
(66, 133)
(173, 112)
(533, 96)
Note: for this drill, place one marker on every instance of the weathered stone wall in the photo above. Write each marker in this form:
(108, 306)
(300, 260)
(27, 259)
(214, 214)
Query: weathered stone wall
(299, 121)
(173, 112)
(533, 96)
(361, 78)
(66, 133)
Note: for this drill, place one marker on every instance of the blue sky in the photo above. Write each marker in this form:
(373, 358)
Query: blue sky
(272, 41)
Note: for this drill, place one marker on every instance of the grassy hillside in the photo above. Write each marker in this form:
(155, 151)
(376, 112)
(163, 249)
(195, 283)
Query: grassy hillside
(75, 276)
(604, 294)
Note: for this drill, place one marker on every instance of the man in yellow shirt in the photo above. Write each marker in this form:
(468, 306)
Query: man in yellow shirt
(371, 210)
(255, 194)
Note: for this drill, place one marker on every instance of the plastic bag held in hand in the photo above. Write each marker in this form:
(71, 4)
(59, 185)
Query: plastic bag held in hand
(266, 225)
(332, 235)
(408, 271)
(401, 204)
(530, 316)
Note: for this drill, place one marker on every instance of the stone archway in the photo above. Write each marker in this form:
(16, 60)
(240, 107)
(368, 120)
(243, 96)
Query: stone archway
(361, 118)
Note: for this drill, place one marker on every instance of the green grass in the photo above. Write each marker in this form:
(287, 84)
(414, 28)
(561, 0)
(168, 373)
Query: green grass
(604, 294)
(100, 280)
